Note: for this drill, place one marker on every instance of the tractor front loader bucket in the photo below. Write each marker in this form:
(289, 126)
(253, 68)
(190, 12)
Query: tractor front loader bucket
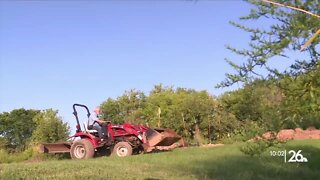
(161, 139)
(62, 147)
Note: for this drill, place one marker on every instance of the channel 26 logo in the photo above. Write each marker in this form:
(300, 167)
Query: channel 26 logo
(290, 157)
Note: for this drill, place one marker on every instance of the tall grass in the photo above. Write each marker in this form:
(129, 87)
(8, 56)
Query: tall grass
(6, 157)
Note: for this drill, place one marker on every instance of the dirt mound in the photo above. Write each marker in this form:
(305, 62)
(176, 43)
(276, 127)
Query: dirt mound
(290, 134)
(285, 134)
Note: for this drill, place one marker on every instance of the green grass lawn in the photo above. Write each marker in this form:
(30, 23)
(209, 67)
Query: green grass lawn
(226, 162)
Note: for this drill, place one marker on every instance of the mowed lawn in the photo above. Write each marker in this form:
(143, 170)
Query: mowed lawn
(226, 162)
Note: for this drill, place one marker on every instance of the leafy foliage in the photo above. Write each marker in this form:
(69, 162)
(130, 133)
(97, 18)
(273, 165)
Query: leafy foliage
(50, 128)
(193, 114)
(258, 102)
(301, 107)
(17, 127)
(259, 147)
(288, 31)
(272, 97)
(21, 130)
(126, 108)
(196, 115)
(6, 157)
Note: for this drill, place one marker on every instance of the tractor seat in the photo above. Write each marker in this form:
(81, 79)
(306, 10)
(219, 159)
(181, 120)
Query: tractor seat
(85, 125)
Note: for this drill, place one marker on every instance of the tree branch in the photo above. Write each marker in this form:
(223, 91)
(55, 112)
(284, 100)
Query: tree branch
(291, 7)
(301, 10)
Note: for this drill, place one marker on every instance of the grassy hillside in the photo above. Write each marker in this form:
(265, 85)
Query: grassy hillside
(225, 162)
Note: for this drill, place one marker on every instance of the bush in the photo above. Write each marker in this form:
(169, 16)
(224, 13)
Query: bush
(258, 147)
(3, 143)
(50, 127)
(30, 154)
(6, 157)
(246, 132)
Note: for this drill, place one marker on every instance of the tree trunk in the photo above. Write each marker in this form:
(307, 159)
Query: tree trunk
(209, 132)
(184, 126)
(198, 135)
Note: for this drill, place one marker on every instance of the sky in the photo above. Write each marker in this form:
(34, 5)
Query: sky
(57, 53)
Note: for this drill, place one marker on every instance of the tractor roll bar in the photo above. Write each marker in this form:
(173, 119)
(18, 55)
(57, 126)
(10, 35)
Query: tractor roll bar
(75, 113)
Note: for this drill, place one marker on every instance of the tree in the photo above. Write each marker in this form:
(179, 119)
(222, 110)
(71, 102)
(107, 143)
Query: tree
(50, 128)
(159, 109)
(301, 105)
(198, 108)
(111, 111)
(259, 101)
(289, 31)
(17, 127)
(126, 108)
(187, 111)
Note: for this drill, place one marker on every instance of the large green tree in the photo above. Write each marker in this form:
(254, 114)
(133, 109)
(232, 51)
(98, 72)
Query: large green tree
(125, 108)
(301, 105)
(287, 33)
(258, 102)
(17, 127)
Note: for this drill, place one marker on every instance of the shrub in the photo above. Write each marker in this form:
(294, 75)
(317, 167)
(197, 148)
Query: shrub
(256, 148)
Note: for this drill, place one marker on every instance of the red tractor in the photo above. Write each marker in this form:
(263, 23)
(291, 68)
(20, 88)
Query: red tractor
(126, 139)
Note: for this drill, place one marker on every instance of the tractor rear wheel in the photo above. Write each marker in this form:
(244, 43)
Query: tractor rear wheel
(82, 149)
(122, 149)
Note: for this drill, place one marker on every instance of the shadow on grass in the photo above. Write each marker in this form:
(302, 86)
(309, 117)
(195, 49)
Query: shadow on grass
(311, 153)
(264, 167)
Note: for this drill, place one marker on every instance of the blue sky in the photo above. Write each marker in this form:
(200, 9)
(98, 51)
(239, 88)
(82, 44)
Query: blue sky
(56, 53)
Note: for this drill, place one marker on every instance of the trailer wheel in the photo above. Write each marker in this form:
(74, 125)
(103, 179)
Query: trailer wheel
(122, 149)
(82, 149)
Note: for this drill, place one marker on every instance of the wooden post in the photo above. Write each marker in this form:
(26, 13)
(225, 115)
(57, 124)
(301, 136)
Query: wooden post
(209, 130)
(184, 125)
(159, 117)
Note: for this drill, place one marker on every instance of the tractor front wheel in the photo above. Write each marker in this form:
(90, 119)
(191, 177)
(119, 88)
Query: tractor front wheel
(82, 149)
(122, 149)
